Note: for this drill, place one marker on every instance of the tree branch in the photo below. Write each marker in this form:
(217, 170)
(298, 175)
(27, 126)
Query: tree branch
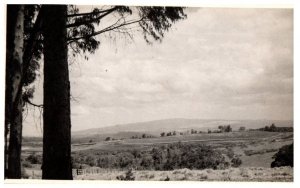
(28, 51)
(88, 13)
(93, 19)
(112, 27)
(35, 105)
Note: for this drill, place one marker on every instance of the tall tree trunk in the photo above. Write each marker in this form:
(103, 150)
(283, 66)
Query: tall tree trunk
(13, 98)
(15, 140)
(57, 122)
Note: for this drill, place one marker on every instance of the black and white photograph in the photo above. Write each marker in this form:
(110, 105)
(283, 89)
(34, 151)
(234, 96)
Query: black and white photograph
(148, 93)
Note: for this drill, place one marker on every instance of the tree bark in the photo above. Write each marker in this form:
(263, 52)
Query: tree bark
(13, 98)
(57, 122)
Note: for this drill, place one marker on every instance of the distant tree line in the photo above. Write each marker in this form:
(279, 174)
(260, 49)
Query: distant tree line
(224, 128)
(221, 129)
(273, 128)
(174, 133)
(141, 137)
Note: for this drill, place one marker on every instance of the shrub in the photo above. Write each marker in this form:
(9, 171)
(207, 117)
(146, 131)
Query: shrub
(229, 152)
(34, 159)
(136, 153)
(225, 128)
(125, 160)
(284, 157)
(90, 160)
(26, 164)
(236, 162)
(146, 162)
(128, 176)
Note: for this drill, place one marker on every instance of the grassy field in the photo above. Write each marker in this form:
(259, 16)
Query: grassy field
(248, 146)
(258, 174)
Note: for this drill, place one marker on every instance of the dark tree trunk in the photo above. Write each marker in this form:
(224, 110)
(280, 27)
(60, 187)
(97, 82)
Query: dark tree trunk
(57, 122)
(15, 140)
(13, 95)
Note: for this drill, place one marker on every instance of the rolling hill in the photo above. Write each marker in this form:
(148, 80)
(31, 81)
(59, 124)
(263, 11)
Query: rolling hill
(179, 124)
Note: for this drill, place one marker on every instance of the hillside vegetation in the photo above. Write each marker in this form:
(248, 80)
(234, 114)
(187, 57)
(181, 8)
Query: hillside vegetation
(225, 156)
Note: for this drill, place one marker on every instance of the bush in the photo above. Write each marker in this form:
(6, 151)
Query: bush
(26, 164)
(128, 176)
(229, 152)
(225, 128)
(34, 159)
(284, 157)
(146, 162)
(90, 160)
(236, 162)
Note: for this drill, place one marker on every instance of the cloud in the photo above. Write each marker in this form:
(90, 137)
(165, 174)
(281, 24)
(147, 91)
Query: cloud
(218, 63)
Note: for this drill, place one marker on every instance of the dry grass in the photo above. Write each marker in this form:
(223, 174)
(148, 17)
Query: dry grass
(282, 174)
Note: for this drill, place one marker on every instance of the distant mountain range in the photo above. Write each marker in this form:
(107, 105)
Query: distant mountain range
(180, 124)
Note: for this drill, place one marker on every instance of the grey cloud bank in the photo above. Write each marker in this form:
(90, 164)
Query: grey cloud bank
(218, 63)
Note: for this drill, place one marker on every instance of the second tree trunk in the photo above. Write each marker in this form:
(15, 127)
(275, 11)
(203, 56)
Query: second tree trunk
(57, 122)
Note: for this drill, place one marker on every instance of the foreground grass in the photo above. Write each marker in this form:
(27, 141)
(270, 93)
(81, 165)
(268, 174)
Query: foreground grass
(282, 174)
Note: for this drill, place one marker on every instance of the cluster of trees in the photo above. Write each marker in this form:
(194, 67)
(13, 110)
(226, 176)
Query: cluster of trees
(174, 133)
(225, 128)
(195, 131)
(165, 157)
(242, 128)
(143, 136)
(273, 128)
(54, 31)
(221, 129)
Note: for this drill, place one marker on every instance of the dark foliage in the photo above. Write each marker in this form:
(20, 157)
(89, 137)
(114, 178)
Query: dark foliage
(284, 157)
(164, 157)
(34, 159)
(84, 27)
(273, 128)
(236, 162)
(225, 128)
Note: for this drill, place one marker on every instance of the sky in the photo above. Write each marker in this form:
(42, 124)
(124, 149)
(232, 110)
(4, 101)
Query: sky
(219, 63)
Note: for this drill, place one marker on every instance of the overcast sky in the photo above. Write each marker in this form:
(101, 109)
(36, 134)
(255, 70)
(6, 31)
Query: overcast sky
(218, 63)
